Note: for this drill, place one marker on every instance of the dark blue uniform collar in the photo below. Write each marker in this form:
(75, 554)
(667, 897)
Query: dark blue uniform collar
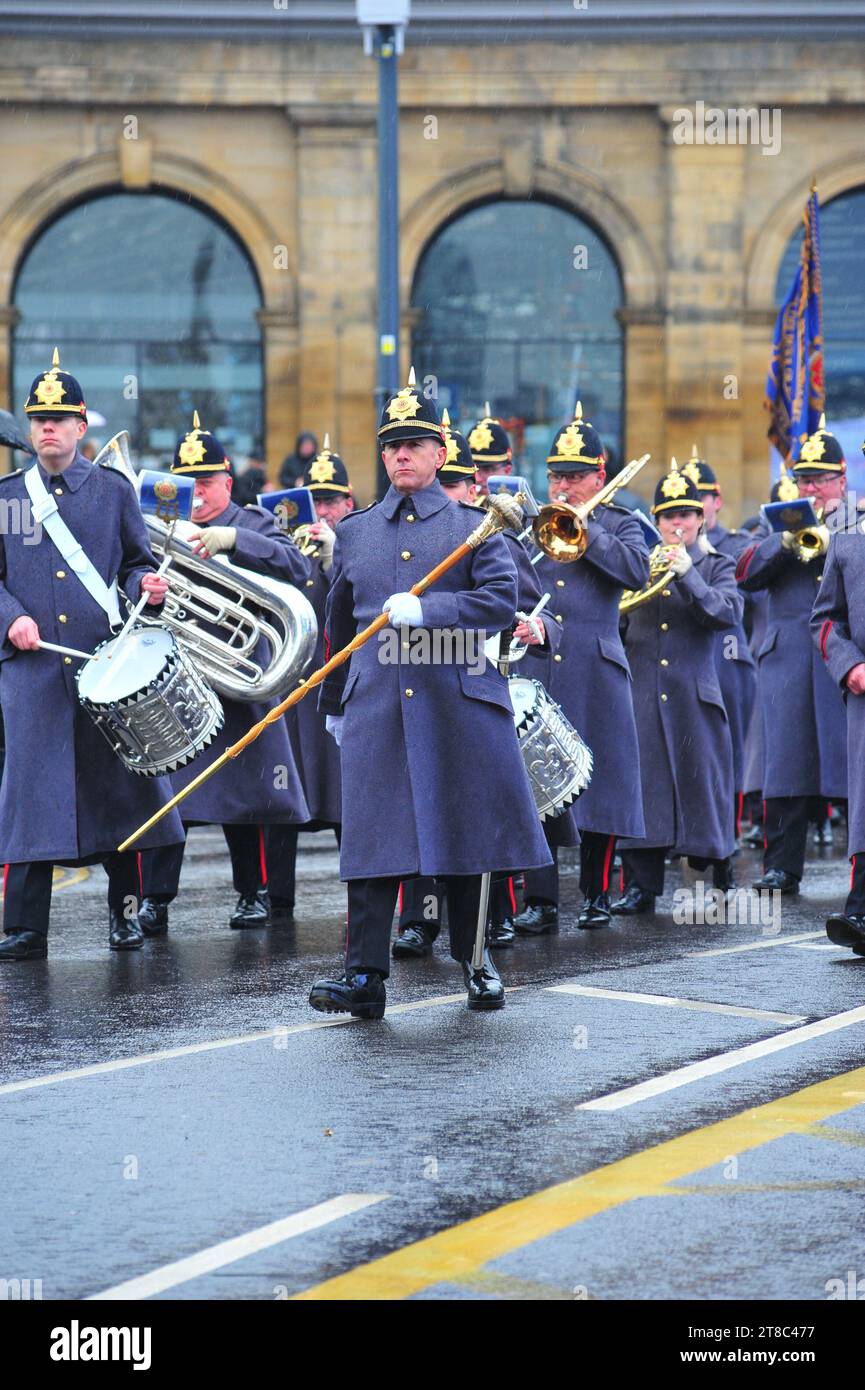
(426, 502)
(72, 477)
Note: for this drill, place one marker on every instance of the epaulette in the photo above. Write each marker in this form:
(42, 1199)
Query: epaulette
(109, 468)
(14, 474)
(616, 507)
(470, 507)
(356, 511)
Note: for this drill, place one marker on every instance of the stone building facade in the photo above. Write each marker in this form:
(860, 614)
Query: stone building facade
(279, 142)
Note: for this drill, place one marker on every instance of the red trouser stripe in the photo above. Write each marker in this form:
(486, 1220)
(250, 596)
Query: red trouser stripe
(852, 871)
(262, 857)
(740, 804)
(608, 859)
(5, 876)
(765, 825)
(511, 895)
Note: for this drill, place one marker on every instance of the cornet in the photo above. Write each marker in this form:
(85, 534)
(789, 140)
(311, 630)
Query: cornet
(660, 575)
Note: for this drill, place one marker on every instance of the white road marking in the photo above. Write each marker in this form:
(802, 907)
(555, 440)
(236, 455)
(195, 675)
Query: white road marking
(757, 945)
(190, 1049)
(228, 1251)
(668, 1001)
(724, 1061)
(819, 946)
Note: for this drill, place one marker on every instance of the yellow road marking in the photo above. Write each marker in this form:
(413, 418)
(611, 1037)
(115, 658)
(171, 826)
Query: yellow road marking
(59, 881)
(453, 1255)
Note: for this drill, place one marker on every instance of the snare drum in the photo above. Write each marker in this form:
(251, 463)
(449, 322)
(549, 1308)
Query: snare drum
(557, 761)
(155, 709)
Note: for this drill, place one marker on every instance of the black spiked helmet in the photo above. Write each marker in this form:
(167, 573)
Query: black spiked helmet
(410, 415)
(326, 475)
(821, 452)
(489, 441)
(676, 491)
(458, 466)
(701, 474)
(55, 394)
(199, 452)
(576, 446)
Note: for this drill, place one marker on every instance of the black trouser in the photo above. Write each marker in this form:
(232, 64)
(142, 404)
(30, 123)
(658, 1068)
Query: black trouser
(27, 902)
(371, 903)
(160, 868)
(423, 899)
(280, 853)
(786, 833)
(644, 869)
(596, 856)
(856, 897)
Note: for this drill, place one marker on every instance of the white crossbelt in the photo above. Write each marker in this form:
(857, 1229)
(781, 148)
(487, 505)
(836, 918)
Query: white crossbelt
(46, 512)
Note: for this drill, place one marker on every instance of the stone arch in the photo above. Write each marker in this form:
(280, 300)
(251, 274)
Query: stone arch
(62, 187)
(773, 237)
(572, 189)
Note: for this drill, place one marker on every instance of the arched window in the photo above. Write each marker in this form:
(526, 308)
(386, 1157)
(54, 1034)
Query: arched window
(842, 232)
(153, 305)
(515, 303)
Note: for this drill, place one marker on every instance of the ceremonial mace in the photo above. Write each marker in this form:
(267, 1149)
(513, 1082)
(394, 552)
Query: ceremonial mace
(504, 511)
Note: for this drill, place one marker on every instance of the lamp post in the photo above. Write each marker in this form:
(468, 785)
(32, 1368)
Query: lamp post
(384, 23)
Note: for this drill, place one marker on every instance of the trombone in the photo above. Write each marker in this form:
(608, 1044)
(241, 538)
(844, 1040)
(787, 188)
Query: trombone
(559, 529)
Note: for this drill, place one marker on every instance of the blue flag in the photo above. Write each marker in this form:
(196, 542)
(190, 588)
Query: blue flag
(795, 389)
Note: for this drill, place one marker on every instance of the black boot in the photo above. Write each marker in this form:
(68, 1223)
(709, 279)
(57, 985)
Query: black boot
(250, 912)
(413, 942)
(485, 988)
(124, 933)
(633, 902)
(595, 912)
(24, 945)
(846, 929)
(281, 912)
(537, 919)
(778, 881)
(501, 935)
(360, 994)
(153, 917)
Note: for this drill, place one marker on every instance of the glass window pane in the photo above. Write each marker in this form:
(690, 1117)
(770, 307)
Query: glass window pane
(153, 305)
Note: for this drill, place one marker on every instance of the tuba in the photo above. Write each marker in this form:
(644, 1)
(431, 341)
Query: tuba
(244, 607)
(559, 529)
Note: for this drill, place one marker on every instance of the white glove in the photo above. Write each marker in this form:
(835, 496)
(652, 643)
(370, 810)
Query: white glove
(214, 540)
(333, 723)
(535, 628)
(326, 538)
(404, 610)
(679, 561)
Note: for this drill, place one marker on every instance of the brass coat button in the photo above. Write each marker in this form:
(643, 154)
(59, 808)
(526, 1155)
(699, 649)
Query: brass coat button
(664, 661)
(559, 618)
(406, 555)
(310, 583)
(665, 593)
(61, 574)
(663, 697)
(557, 657)
(67, 661)
(409, 693)
(410, 516)
(665, 627)
(62, 617)
(560, 583)
(58, 492)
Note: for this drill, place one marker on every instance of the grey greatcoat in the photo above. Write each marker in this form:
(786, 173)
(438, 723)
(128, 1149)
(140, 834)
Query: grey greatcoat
(804, 734)
(261, 786)
(737, 669)
(315, 752)
(66, 797)
(589, 675)
(838, 630)
(433, 781)
(686, 753)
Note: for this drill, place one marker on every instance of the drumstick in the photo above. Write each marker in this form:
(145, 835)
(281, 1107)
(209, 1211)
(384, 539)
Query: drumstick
(144, 597)
(65, 651)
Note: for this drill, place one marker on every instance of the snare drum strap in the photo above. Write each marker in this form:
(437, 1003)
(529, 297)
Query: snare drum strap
(45, 511)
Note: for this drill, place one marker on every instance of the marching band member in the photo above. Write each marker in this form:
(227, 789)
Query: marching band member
(421, 898)
(796, 691)
(686, 753)
(315, 753)
(263, 787)
(66, 798)
(491, 451)
(429, 751)
(590, 678)
(838, 630)
(737, 669)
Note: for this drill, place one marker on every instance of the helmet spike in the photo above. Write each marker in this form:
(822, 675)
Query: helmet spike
(446, 418)
(578, 411)
(55, 360)
(326, 445)
(412, 379)
(196, 423)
